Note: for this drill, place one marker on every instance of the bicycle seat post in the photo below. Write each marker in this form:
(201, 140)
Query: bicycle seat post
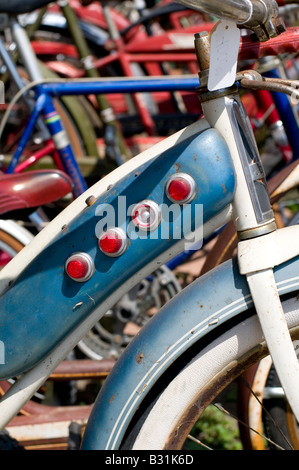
(202, 50)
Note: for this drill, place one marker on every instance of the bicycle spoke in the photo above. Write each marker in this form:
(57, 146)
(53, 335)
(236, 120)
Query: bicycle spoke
(198, 441)
(270, 416)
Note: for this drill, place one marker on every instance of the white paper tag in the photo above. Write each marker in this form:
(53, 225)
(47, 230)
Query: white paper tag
(224, 42)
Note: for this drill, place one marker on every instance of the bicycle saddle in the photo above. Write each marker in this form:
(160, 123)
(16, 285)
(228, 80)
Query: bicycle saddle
(16, 7)
(32, 189)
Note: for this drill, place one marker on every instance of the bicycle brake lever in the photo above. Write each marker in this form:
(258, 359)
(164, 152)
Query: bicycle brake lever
(261, 16)
(271, 25)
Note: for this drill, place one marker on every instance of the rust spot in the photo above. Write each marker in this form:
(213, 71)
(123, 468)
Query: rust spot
(224, 188)
(178, 167)
(139, 358)
(112, 398)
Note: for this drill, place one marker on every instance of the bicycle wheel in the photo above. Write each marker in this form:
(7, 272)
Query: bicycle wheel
(9, 247)
(115, 330)
(12, 239)
(74, 116)
(175, 403)
(277, 410)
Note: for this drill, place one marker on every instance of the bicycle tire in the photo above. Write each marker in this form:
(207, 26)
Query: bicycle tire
(13, 238)
(13, 245)
(171, 408)
(9, 443)
(80, 130)
(278, 411)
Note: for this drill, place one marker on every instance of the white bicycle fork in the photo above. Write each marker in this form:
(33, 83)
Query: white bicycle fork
(257, 256)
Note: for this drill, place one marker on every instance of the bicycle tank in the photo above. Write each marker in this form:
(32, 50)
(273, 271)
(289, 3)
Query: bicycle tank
(42, 305)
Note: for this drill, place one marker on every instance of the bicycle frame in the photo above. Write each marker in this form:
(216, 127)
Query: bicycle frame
(226, 192)
(79, 219)
(44, 91)
(131, 174)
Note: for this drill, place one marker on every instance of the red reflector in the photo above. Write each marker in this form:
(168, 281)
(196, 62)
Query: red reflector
(180, 188)
(146, 215)
(79, 267)
(113, 242)
(110, 243)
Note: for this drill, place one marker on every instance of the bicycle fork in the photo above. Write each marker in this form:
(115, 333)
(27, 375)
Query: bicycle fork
(261, 245)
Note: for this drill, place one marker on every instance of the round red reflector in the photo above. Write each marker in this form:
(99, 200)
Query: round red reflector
(180, 188)
(79, 267)
(113, 242)
(146, 215)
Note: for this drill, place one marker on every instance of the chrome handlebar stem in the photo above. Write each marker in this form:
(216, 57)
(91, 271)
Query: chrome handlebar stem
(261, 16)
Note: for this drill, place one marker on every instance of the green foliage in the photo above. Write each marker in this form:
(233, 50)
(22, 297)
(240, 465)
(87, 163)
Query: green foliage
(216, 430)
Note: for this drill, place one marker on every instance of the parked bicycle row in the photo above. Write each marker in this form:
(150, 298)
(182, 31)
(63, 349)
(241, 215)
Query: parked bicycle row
(121, 247)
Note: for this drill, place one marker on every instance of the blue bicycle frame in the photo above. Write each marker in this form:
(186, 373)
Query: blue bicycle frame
(44, 106)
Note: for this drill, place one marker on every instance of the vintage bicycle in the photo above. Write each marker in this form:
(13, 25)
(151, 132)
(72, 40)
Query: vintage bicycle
(208, 333)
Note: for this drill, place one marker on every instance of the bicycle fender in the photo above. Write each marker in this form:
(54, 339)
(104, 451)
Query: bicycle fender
(202, 306)
(41, 305)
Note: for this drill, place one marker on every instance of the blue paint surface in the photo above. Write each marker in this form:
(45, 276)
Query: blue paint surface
(39, 310)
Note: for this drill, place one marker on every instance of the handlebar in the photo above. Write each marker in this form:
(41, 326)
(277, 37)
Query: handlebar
(239, 11)
(259, 15)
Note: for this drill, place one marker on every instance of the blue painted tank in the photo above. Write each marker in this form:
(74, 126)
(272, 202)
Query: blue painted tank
(43, 305)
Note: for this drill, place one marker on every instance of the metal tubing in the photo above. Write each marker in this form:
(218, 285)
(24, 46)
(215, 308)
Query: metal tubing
(62, 144)
(121, 86)
(19, 83)
(40, 102)
(106, 113)
(271, 316)
(235, 10)
(9, 63)
(26, 52)
(287, 116)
